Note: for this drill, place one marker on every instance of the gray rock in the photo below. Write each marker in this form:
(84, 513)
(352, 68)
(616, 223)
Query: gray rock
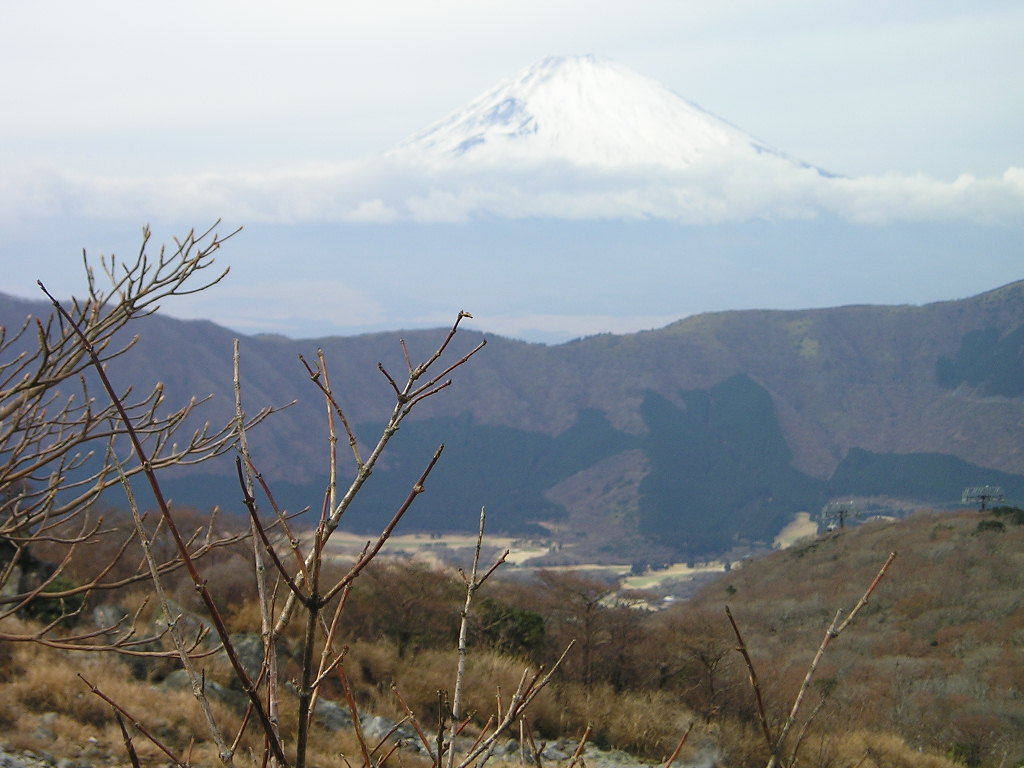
(560, 749)
(16, 759)
(108, 615)
(331, 715)
(509, 748)
(249, 649)
(555, 752)
(376, 728)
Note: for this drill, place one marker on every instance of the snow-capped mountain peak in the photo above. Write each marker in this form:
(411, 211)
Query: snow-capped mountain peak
(583, 110)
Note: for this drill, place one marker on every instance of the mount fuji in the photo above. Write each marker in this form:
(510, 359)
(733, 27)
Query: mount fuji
(575, 138)
(574, 198)
(586, 138)
(587, 111)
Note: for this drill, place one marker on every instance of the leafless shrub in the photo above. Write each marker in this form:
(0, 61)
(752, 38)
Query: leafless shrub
(782, 749)
(48, 439)
(292, 585)
(59, 444)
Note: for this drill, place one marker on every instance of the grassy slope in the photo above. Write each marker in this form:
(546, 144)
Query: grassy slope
(935, 659)
(937, 655)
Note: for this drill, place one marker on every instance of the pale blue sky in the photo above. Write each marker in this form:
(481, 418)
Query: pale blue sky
(858, 87)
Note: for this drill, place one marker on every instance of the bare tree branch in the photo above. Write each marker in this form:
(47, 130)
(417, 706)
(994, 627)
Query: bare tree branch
(55, 438)
(183, 552)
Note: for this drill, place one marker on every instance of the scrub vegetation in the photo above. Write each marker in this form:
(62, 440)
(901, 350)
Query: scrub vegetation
(261, 649)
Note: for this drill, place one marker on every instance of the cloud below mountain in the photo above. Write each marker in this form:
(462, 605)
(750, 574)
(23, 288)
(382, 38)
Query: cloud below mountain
(382, 190)
(574, 138)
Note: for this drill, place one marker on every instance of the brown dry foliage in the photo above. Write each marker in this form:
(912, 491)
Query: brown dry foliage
(668, 664)
(923, 660)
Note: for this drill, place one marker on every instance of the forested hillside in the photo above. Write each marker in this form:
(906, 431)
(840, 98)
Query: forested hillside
(707, 434)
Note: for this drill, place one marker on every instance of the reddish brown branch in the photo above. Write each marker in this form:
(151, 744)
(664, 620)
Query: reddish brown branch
(250, 505)
(128, 746)
(762, 716)
(135, 723)
(198, 582)
(578, 752)
(415, 723)
(679, 746)
(371, 553)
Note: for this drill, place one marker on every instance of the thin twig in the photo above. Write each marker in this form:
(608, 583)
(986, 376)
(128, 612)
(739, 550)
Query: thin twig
(384, 739)
(282, 518)
(762, 717)
(679, 746)
(415, 724)
(324, 384)
(368, 555)
(261, 534)
(198, 582)
(405, 400)
(128, 746)
(538, 758)
(357, 726)
(198, 690)
(578, 752)
(135, 723)
(259, 573)
(527, 691)
(834, 630)
(460, 676)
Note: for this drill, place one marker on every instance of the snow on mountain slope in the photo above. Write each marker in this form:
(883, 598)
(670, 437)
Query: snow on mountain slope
(576, 138)
(587, 111)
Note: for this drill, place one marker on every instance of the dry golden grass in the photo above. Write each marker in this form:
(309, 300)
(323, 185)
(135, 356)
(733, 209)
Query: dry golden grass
(935, 656)
(884, 751)
(743, 747)
(373, 667)
(646, 723)
(45, 706)
(917, 635)
(52, 709)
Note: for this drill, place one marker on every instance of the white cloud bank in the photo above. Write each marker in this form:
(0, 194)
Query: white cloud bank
(382, 190)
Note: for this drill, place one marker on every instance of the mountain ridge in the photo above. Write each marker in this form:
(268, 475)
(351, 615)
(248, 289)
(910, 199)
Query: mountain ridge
(798, 405)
